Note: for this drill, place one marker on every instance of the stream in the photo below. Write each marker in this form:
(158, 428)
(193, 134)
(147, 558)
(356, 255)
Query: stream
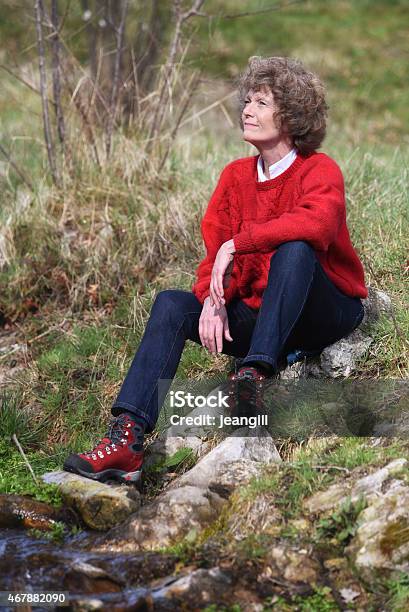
(90, 580)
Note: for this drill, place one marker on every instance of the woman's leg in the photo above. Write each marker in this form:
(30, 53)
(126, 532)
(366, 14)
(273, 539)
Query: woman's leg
(174, 319)
(301, 307)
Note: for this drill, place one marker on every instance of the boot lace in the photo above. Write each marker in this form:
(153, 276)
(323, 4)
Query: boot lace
(116, 435)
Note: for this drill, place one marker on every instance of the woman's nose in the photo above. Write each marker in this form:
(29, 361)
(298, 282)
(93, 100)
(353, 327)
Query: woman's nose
(248, 110)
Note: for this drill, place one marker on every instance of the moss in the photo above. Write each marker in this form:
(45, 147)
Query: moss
(395, 535)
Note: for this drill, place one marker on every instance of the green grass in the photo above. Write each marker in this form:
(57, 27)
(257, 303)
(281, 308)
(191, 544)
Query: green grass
(358, 47)
(398, 592)
(15, 477)
(341, 525)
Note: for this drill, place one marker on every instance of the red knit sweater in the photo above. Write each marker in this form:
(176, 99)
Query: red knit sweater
(305, 202)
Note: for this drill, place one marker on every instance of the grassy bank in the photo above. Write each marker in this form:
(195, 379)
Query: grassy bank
(80, 266)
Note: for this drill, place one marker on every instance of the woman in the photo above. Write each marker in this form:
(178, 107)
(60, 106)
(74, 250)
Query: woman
(280, 271)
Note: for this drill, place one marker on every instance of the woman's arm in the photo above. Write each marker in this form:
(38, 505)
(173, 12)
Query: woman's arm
(316, 218)
(216, 229)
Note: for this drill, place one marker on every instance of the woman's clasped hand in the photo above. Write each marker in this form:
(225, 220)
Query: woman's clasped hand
(213, 325)
(214, 322)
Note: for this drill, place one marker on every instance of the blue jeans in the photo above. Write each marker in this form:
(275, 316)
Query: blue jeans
(301, 308)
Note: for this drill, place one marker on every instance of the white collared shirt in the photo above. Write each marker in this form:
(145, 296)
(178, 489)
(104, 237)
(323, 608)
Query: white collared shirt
(278, 167)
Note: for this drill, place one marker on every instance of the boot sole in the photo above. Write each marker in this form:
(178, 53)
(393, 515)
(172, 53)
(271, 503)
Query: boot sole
(131, 478)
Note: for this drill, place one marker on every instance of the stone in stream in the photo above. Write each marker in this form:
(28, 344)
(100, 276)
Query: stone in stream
(193, 500)
(82, 577)
(101, 506)
(21, 511)
(199, 587)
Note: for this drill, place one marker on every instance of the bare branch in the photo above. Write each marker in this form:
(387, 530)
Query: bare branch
(190, 90)
(148, 40)
(170, 65)
(21, 174)
(84, 116)
(269, 9)
(39, 14)
(193, 11)
(26, 83)
(22, 453)
(56, 73)
(115, 84)
(91, 33)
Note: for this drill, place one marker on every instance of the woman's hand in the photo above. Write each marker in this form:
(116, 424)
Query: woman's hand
(221, 273)
(213, 323)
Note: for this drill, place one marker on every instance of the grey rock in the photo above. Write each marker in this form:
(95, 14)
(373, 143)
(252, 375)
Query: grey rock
(167, 445)
(369, 487)
(89, 604)
(293, 564)
(382, 539)
(197, 588)
(231, 475)
(377, 304)
(237, 447)
(171, 516)
(101, 506)
(336, 361)
(89, 570)
(339, 359)
(195, 499)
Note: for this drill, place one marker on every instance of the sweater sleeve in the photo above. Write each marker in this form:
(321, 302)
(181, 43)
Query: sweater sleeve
(215, 229)
(316, 218)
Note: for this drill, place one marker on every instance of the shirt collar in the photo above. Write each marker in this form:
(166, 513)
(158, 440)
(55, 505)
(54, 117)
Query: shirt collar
(278, 167)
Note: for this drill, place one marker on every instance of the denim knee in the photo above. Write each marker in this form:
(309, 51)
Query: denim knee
(295, 247)
(166, 303)
(293, 251)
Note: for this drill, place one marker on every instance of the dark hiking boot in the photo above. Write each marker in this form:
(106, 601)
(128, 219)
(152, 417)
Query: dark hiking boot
(245, 391)
(116, 457)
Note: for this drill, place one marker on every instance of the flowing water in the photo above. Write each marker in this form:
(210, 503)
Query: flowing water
(90, 579)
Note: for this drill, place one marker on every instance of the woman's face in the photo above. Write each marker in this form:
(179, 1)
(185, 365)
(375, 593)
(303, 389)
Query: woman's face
(259, 127)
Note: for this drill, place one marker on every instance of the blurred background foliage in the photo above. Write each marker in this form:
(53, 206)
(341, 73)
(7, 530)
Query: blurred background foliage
(359, 47)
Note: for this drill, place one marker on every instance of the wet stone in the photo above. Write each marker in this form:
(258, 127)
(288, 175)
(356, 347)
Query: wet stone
(101, 506)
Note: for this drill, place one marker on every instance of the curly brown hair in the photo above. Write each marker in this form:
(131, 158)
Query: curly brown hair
(298, 93)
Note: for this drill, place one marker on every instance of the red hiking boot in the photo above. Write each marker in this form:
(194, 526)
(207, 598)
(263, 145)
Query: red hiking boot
(245, 390)
(113, 458)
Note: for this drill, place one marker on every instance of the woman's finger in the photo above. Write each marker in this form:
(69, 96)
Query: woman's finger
(219, 337)
(227, 331)
(201, 331)
(206, 334)
(212, 344)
